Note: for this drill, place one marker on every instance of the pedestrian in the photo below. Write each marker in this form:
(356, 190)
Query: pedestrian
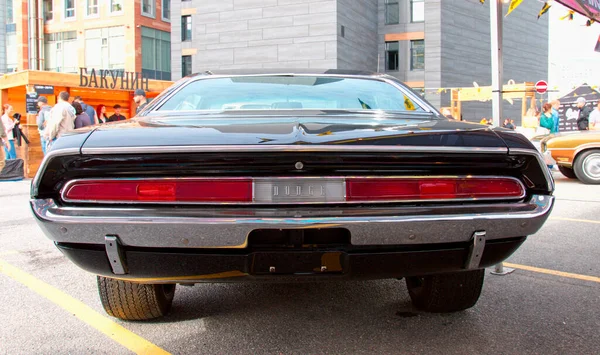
(483, 121)
(555, 116)
(508, 123)
(18, 132)
(546, 120)
(81, 117)
(62, 119)
(9, 141)
(595, 118)
(117, 115)
(2, 132)
(584, 115)
(42, 119)
(101, 114)
(87, 108)
(139, 97)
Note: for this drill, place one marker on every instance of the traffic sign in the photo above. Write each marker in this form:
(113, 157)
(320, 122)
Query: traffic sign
(541, 87)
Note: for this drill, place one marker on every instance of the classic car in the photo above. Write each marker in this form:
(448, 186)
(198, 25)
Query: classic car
(289, 177)
(577, 154)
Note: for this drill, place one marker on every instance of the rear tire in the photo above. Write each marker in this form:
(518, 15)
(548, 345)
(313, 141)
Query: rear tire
(132, 301)
(567, 172)
(587, 167)
(446, 292)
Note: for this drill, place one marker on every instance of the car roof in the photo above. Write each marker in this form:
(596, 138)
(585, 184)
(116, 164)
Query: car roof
(304, 71)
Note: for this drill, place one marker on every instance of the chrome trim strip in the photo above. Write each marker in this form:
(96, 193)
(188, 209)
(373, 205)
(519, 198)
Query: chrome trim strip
(49, 156)
(540, 160)
(291, 148)
(70, 183)
(211, 228)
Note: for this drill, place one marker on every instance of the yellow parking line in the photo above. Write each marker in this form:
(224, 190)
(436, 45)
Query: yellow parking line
(116, 332)
(574, 220)
(554, 272)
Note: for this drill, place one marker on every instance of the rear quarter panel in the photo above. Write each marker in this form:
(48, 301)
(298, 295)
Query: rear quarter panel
(564, 148)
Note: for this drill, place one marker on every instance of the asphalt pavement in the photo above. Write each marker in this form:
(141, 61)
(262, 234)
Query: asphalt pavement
(549, 305)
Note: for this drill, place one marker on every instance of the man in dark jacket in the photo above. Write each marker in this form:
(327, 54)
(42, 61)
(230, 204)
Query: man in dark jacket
(139, 97)
(583, 121)
(117, 115)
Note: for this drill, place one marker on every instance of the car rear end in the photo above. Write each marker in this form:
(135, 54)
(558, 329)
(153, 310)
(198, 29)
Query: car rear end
(365, 212)
(300, 196)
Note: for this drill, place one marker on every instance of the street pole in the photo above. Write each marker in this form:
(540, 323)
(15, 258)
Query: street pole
(496, 41)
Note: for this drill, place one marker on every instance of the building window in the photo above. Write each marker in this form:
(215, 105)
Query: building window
(92, 8)
(186, 28)
(392, 12)
(391, 56)
(166, 10)
(156, 54)
(69, 9)
(59, 47)
(116, 6)
(12, 61)
(186, 65)
(10, 16)
(48, 10)
(417, 10)
(104, 48)
(417, 55)
(148, 7)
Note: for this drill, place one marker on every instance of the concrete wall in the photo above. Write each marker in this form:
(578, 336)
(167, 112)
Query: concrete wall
(466, 51)
(433, 49)
(357, 49)
(238, 34)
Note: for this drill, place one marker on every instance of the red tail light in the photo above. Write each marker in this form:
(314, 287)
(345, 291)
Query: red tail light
(375, 189)
(199, 190)
(291, 190)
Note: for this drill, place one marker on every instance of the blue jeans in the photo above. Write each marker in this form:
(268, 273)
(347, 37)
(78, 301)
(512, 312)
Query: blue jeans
(12, 154)
(43, 142)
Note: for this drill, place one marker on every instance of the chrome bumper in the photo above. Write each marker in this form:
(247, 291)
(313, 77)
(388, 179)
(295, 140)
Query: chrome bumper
(229, 228)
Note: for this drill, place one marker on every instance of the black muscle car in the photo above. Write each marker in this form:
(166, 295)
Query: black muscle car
(304, 176)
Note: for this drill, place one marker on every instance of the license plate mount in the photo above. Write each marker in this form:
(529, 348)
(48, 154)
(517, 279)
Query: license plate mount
(298, 263)
(299, 190)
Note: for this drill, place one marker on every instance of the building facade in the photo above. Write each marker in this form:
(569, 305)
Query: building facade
(3, 38)
(66, 35)
(428, 44)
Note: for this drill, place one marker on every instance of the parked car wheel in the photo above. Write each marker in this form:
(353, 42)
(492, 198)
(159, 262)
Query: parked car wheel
(132, 301)
(446, 292)
(587, 167)
(567, 172)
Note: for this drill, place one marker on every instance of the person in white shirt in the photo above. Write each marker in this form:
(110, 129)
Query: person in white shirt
(595, 118)
(9, 124)
(62, 119)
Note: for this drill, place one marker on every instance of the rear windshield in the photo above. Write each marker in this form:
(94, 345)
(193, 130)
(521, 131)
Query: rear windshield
(289, 92)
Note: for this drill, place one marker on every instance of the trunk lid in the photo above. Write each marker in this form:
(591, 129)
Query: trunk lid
(313, 128)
